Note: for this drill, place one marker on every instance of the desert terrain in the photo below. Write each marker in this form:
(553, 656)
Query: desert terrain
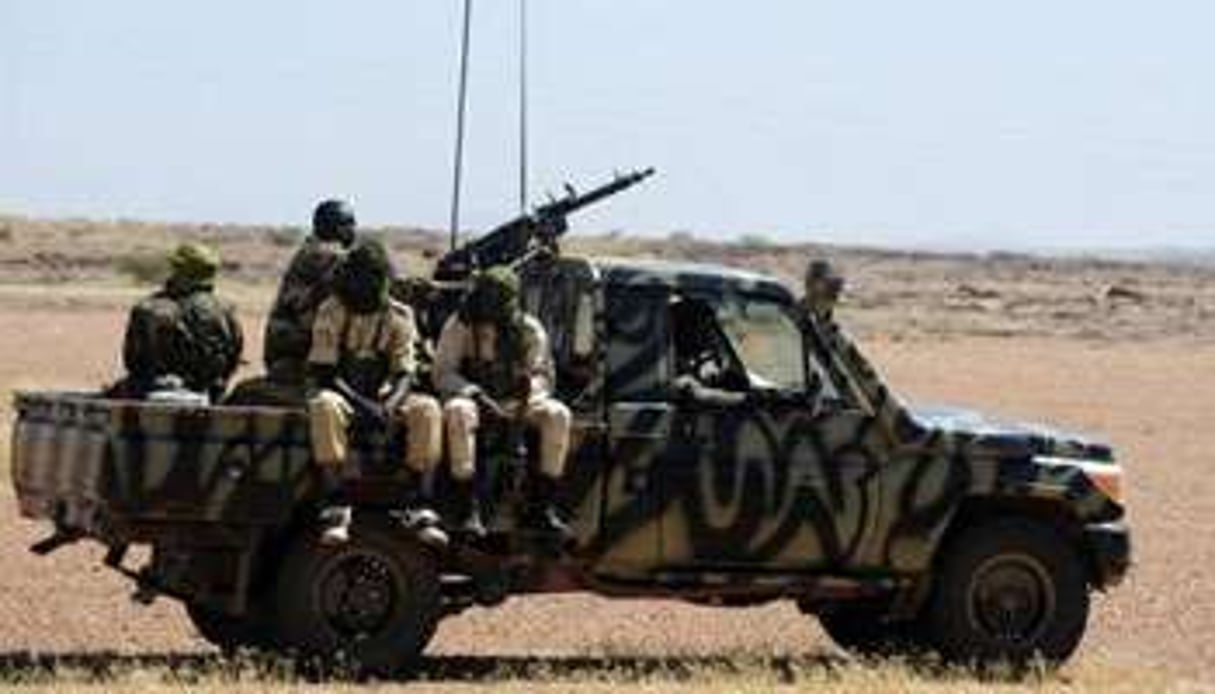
(1122, 349)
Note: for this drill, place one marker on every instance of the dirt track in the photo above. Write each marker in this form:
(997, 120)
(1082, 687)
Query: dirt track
(1152, 399)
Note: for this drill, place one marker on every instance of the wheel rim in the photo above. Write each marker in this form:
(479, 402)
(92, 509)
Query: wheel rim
(1012, 599)
(358, 594)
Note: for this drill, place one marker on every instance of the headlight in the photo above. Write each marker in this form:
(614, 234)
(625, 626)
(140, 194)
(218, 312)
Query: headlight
(1107, 477)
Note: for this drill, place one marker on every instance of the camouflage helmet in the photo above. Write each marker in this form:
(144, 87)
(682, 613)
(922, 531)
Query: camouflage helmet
(193, 263)
(493, 298)
(333, 220)
(364, 277)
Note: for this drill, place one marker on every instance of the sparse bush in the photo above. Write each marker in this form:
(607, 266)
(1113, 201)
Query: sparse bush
(755, 242)
(142, 268)
(6, 233)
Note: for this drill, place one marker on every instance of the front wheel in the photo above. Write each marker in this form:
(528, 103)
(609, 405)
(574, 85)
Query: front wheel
(373, 601)
(1009, 590)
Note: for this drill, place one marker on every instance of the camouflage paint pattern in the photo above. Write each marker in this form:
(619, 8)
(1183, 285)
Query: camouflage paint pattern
(659, 489)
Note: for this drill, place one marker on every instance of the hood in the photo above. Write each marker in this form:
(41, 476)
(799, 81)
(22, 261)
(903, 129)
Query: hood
(1010, 438)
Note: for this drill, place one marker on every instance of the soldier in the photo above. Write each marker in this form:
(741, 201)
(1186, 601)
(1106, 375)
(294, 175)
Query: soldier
(307, 282)
(182, 334)
(823, 288)
(362, 362)
(494, 360)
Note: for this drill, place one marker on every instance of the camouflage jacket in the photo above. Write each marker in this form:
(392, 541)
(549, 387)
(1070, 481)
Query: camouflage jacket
(367, 349)
(467, 358)
(307, 282)
(193, 335)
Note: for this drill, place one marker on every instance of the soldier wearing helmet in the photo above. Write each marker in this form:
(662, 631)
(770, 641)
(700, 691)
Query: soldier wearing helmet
(494, 360)
(307, 282)
(362, 362)
(183, 333)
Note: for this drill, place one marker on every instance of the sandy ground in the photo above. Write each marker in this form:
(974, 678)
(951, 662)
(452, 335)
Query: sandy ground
(1152, 398)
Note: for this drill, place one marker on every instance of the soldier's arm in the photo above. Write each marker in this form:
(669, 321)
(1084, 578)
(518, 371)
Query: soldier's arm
(538, 356)
(402, 356)
(137, 348)
(326, 338)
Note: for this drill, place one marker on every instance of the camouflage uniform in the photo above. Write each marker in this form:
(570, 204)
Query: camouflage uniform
(363, 344)
(183, 331)
(502, 355)
(367, 350)
(307, 282)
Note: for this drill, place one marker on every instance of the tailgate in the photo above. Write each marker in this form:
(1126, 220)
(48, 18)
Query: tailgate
(110, 467)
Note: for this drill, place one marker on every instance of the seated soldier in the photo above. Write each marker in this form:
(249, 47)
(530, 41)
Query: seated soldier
(493, 360)
(362, 363)
(183, 334)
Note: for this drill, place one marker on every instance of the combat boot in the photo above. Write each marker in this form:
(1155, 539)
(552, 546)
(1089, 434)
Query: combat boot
(416, 516)
(335, 525)
(542, 514)
(468, 522)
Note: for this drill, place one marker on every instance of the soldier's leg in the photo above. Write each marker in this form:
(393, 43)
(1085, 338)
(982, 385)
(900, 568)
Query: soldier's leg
(460, 420)
(328, 425)
(551, 419)
(423, 419)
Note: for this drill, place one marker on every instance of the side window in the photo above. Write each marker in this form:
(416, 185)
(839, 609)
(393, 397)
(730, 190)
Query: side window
(767, 341)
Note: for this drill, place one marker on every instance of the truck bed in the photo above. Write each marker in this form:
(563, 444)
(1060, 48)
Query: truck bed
(129, 471)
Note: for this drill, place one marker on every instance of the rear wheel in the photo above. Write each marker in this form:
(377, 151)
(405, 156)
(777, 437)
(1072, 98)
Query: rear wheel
(1009, 590)
(372, 602)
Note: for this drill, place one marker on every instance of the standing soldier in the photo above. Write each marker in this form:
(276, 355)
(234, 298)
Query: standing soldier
(307, 282)
(362, 363)
(493, 359)
(183, 332)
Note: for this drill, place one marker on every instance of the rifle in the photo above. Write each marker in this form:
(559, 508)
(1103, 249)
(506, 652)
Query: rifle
(369, 409)
(530, 232)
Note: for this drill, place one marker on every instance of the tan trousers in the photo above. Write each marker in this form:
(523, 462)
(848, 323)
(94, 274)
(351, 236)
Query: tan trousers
(329, 416)
(550, 418)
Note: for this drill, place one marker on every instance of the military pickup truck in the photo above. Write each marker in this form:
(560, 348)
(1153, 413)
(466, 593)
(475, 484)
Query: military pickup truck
(732, 446)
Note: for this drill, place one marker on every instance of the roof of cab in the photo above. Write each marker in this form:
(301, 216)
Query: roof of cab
(687, 276)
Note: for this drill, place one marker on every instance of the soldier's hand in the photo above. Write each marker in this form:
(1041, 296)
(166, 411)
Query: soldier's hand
(488, 405)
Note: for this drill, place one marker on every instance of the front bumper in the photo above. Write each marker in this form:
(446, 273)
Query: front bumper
(1108, 547)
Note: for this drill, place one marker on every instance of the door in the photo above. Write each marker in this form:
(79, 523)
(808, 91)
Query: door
(770, 467)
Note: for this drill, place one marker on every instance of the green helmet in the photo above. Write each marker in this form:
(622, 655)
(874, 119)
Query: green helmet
(193, 263)
(364, 277)
(494, 297)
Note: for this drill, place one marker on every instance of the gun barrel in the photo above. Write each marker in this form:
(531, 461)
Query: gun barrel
(573, 203)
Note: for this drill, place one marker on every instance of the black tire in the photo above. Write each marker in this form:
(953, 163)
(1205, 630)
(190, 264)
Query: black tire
(228, 632)
(868, 630)
(372, 603)
(1009, 590)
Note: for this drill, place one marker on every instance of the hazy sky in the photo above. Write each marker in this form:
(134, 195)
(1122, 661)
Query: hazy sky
(997, 123)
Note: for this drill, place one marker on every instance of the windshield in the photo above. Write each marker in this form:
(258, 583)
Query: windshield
(767, 341)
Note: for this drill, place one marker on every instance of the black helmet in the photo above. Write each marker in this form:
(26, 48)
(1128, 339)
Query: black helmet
(364, 276)
(333, 220)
